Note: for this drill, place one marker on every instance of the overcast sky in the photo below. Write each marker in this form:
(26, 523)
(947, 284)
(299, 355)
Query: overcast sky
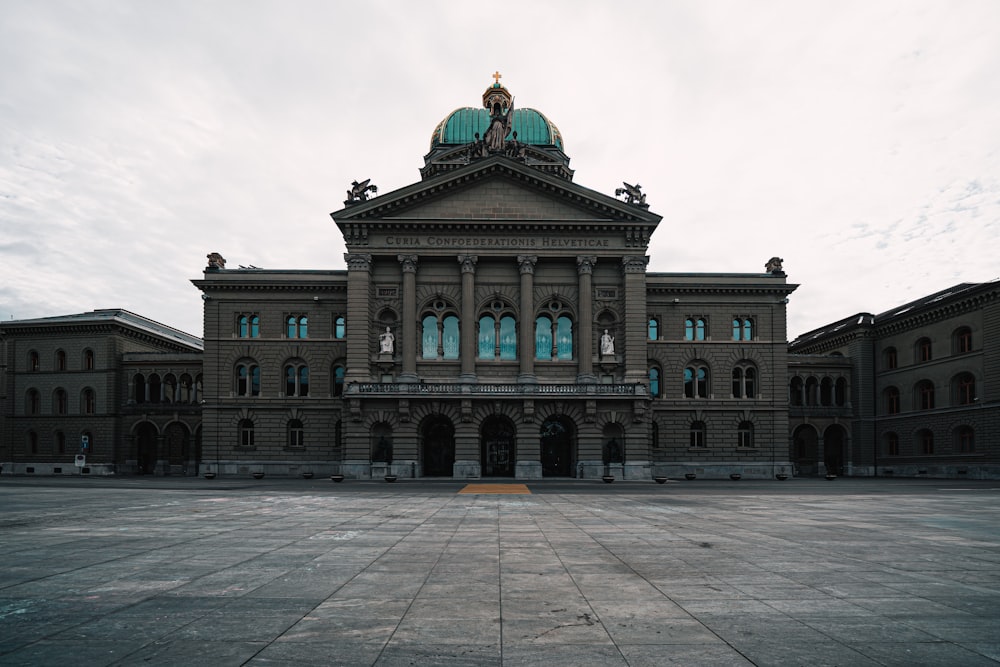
(859, 141)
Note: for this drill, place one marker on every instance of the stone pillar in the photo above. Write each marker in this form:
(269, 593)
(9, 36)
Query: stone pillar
(634, 326)
(585, 271)
(358, 346)
(408, 264)
(467, 344)
(526, 342)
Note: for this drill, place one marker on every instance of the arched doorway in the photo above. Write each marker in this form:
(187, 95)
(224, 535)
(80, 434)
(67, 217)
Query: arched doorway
(805, 450)
(176, 442)
(438, 447)
(557, 444)
(497, 446)
(835, 449)
(145, 440)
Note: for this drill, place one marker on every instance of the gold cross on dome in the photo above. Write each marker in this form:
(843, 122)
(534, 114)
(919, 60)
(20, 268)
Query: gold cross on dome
(496, 77)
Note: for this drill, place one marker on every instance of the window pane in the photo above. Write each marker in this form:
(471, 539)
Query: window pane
(747, 329)
(564, 333)
(654, 328)
(304, 381)
(749, 378)
(543, 338)
(255, 381)
(303, 326)
(654, 382)
(451, 337)
(340, 328)
(289, 381)
(688, 329)
(243, 326)
(487, 334)
(255, 326)
(430, 338)
(737, 329)
(689, 383)
(699, 330)
(291, 327)
(508, 338)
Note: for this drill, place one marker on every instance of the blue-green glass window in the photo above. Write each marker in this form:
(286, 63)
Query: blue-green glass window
(244, 322)
(742, 329)
(338, 380)
(508, 338)
(487, 337)
(543, 338)
(297, 327)
(564, 338)
(450, 343)
(654, 382)
(304, 381)
(654, 330)
(695, 329)
(340, 327)
(429, 341)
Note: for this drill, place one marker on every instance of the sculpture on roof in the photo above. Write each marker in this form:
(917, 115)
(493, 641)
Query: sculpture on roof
(774, 266)
(216, 261)
(633, 194)
(359, 191)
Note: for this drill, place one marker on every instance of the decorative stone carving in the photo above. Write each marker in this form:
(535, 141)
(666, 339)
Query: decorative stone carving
(386, 342)
(526, 263)
(774, 266)
(358, 261)
(216, 261)
(359, 191)
(468, 263)
(633, 194)
(585, 263)
(632, 264)
(408, 262)
(607, 344)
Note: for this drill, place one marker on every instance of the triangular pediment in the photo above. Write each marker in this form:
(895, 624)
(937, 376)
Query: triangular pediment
(495, 189)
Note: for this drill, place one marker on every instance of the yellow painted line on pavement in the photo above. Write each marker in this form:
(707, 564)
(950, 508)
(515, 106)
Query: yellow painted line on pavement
(495, 488)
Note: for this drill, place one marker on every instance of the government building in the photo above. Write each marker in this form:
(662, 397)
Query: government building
(497, 319)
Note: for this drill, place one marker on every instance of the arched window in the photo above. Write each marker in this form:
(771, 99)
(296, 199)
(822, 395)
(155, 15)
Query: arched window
(543, 338)
(296, 378)
(139, 388)
(449, 333)
(795, 391)
(245, 433)
(654, 382)
(653, 329)
(554, 334)
(964, 389)
(185, 395)
(34, 363)
(32, 402)
(840, 392)
(497, 333)
(249, 325)
(696, 379)
(296, 434)
(88, 360)
(247, 379)
(440, 338)
(60, 401)
(744, 381)
(339, 327)
(564, 338)
(88, 401)
(338, 380)
(296, 326)
(744, 435)
(170, 388)
(889, 358)
(925, 442)
(891, 444)
(60, 360)
(153, 389)
(890, 399)
(743, 328)
(924, 392)
(922, 350)
(812, 391)
(696, 435)
(962, 340)
(695, 328)
(965, 440)
(826, 391)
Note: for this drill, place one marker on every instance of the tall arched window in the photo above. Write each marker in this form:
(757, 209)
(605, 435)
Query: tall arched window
(88, 360)
(922, 350)
(249, 325)
(153, 389)
(32, 402)
(247, 379)
(543, 338)
(653, 329)
(339, 327)
(497, 333)
(296, 378)
(88, 401)
(795, 391)
(695, 328)
(890, 359)
(964, 389)
(744, 435)
(890, 399)
(60, 360)
(812, 391)
(139, 388)
(925, 395)
(962, 340)
(744, 381)
(840, 392)
(296, 434)
(338, 380)
(696, 381)
(554, 334)
(654, 382)
(742, 328)
(297, 326)
(965, 440)
(60, 401)
(439, 338)
(891, 444)
(34, 362)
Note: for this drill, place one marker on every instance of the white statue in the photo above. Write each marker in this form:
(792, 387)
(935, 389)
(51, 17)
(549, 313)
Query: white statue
(386, 342)
(607, 344)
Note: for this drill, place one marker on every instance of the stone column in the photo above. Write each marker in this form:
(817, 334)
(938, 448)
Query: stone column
(634, 326)
(358, 346)
(585, 270)
(408, 264)
(467, 343)
(526, 342)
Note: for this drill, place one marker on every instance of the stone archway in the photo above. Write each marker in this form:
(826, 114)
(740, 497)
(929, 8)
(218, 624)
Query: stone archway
(498, 449)
(146, 454)
(177, 442)
(835, 449)
(438, 447)
(558, 447)
(805, 450)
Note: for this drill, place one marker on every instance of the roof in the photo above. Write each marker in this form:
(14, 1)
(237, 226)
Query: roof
(462, 125)
(116, 316)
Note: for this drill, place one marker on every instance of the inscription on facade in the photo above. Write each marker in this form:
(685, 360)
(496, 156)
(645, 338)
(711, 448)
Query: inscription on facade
(494, 242)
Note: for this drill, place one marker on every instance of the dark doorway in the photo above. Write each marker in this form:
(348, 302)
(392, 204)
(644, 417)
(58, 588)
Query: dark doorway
(557, 439)
(498, 453)
(438, 447)
(835, 449)
(145, 438)
(805, 450)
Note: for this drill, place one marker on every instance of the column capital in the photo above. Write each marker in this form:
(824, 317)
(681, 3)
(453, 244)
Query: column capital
(585, 263)
(527, 263)
(468, 263)
(409, 263)
(358, 261)
(634, 264)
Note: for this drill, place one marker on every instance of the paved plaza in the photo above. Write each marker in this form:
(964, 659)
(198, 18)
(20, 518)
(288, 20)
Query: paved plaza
(187, 571)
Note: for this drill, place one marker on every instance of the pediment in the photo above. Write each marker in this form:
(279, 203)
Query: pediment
(496, 189)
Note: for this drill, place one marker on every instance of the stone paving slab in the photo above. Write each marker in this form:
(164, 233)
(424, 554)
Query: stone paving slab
(231, 572)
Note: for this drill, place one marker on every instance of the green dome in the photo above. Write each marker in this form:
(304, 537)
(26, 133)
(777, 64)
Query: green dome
(462, 125)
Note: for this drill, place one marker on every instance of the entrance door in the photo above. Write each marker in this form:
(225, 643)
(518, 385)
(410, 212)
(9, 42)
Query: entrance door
(146, 444)
(497, 447)
(557, 447)
(439, 448)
